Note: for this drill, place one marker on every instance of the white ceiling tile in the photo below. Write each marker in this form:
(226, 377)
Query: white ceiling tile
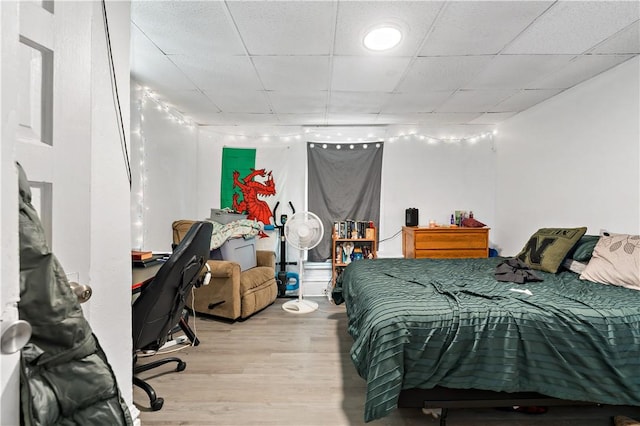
(356, 17)
(254, 131)
(429, 118)
(580, 69)
(523, 100)
(308, 57)
(195, 101)
(492, 117)
(417, 101)
(354, 102)
(573, 27)
(187, 27)
(152, 68)
(470, 27)
(367, 73)
(298, 101)
(238, 100)
(625, 41)
(302, 118)
(241, 119)
(203, 118)
(442, 73)
(386, 119)
(218, 72)
(285, 28)
(445, 118)
(516, 71)
(351, 119)
(474, 100)
(290, 73)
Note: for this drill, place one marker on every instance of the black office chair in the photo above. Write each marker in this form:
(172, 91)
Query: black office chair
(158, 310)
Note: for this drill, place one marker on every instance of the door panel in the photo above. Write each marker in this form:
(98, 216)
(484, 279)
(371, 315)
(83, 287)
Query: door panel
(26, 130)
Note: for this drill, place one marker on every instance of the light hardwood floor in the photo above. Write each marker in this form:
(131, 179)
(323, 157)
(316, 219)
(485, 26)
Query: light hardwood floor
(278, 368)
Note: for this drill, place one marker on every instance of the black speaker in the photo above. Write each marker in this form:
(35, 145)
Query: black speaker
(411, 217)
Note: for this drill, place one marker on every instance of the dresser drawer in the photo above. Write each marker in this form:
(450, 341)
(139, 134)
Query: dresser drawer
(451, 253)
(450, 240)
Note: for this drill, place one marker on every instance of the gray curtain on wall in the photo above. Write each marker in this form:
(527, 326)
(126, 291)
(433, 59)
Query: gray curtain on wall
(343, 184)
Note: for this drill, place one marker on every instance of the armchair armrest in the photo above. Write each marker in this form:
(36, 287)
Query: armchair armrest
(223, 268)
(266, 258)
(222, 296)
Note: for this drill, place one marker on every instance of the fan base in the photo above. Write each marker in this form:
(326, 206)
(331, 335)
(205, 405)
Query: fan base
(300, 306)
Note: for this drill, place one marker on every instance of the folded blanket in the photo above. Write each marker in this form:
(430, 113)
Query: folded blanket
(514, 270)
(238, 228)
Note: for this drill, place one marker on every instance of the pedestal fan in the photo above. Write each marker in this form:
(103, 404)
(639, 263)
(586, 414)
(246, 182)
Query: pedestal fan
(303, 231)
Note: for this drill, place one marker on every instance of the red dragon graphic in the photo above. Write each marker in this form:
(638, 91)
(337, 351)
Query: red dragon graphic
(254, 207)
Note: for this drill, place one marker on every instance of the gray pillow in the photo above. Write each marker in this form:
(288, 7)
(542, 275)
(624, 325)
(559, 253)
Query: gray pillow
(583, 250)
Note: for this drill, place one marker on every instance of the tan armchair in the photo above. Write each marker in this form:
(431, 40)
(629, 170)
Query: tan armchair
(233, 293)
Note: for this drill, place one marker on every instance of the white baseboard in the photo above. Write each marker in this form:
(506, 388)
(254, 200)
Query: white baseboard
(315, 288)
(316, 277)
(135, 415)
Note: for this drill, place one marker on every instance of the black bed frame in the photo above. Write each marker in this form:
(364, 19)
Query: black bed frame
(445, 398)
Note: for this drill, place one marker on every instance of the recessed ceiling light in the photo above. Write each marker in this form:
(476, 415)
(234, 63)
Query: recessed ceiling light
(382, 38)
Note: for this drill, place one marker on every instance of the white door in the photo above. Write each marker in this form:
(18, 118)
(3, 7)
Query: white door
(26, 96)
(9, 283)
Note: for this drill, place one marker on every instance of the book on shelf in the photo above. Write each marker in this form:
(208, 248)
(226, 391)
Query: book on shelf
(141, 255)
(352, 229)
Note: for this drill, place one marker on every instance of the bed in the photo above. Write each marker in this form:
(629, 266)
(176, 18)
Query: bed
(448, 324)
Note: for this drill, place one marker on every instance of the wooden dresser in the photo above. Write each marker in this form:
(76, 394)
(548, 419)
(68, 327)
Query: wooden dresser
(419, 242)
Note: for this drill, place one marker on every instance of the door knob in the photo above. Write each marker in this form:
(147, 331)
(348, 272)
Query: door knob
(82, 292)
(15, 336)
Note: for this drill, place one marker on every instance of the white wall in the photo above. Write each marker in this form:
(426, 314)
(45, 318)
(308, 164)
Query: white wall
(437, 178)
(109, 238)
(570, 161)
(573, 160)
(164, 166)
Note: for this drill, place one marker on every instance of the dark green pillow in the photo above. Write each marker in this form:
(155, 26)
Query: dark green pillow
(547, 248)
(583, 250)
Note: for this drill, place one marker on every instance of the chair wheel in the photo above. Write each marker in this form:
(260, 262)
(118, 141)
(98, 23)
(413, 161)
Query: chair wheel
(181, 366)
(157, 404)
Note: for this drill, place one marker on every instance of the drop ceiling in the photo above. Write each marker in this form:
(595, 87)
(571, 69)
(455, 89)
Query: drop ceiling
(462, 66)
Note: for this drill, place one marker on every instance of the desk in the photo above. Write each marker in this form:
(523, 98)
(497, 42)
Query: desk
(141, 276)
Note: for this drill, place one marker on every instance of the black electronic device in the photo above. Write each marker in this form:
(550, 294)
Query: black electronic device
(411, 217)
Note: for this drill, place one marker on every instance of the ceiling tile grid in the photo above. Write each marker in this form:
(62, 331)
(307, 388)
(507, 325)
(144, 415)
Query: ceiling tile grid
(480, 28)
(285, 27)
(301, 63)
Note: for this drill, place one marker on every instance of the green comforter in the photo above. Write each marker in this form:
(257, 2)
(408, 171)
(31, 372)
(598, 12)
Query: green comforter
(418, 323)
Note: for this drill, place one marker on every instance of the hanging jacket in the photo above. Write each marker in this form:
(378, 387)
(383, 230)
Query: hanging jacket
(65, 378)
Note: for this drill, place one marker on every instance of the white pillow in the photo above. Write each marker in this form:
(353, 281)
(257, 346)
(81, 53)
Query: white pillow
(615, 260)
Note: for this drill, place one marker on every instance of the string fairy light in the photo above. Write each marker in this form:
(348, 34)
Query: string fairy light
(329, 135)
(138, 153)
(313, 133)
(138, 142)
(172, 113)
